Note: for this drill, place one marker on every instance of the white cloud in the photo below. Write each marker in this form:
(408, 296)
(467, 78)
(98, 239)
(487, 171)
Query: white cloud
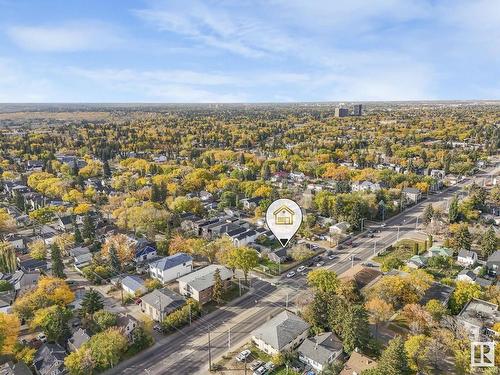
(18, 86)
(69, 37)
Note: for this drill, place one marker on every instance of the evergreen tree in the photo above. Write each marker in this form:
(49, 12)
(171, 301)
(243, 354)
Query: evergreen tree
(116, 265)
(265, 172)
(355, 332)
(428, 214)
(217, 289)
(20, 202)
(355, 216)
(106, 170)
(453, 211)
(155, 193)
(92, 302)
(88, 231)
(74, 168)
(462, 238)
(78, 235)
(489, 243)
(394, 360)
(57, 263)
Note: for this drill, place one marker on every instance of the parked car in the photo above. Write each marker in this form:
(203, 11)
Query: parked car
(157, 328)
(269, 366)
(138, 301)
(368, 264)
(243, 355)
(42, 337)
(260, 371)
(317, 259)
(255, 365)
(290, 274)
(332, 257)
(310, 263)
(319, 264)
(300, 269)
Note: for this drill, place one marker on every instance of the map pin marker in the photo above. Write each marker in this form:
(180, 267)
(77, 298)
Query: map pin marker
(283, 218)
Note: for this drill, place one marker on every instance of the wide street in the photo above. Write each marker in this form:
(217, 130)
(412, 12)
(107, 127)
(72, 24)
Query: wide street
(186, 351)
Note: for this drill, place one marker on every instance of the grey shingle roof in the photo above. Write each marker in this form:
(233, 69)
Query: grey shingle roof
(281, 330)
(171, 261)
(320, 348)
(204, 277)
(167, 299)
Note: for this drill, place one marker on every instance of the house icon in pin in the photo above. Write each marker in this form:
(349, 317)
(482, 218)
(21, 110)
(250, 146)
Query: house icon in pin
(283, 216)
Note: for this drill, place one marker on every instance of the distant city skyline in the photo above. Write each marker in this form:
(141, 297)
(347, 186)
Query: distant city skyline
(248, 51)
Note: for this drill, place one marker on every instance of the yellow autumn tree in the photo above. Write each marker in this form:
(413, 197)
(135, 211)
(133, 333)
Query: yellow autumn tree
(123, 246)
(9, 331)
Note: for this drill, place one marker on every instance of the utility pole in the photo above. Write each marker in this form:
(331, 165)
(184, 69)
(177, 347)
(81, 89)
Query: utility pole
(229, 338)
(352, 261)
(189, 314)
(416, 224)
(287, 300)
(398, 233)
(209, 353)
(375, 248)
(239, 284)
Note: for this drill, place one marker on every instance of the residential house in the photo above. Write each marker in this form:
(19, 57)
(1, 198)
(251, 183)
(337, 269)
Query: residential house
(478, 318)
(144, 250)
(416, 261)
(171, 267)
(78, 338)
(297, 176)
(11, 368)
(206, 196)
(320, 350)
(493, 263)
(439, 292)
(82, 260)
(29, 264)
(49, 360)
(34, 165)
(466, 275)
(279, 255)
(467, 258)
(282, 333)
(198, 284)
(437, 250)
(133, 285)
(357, 363)
(251, 203)
(79, 250)
(339, 229)
(16, 241)
(161, 302)
(127, 324)
(412, 195)
(23, 281)
(6, 300)
(65, 223)
(367, 186)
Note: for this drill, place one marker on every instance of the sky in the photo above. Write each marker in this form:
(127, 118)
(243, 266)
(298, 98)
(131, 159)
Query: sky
(248, 51)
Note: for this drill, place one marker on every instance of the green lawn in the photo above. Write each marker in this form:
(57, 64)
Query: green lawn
(441, 273)
(402, 250)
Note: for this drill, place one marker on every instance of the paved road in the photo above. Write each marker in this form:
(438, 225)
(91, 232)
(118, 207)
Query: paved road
(186, 351)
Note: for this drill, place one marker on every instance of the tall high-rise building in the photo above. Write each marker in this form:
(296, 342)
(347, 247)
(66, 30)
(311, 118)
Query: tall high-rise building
(357, 109)
(341, 112)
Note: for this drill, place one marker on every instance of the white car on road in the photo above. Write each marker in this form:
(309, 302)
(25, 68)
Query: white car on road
(301, 268)
(290, 274)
